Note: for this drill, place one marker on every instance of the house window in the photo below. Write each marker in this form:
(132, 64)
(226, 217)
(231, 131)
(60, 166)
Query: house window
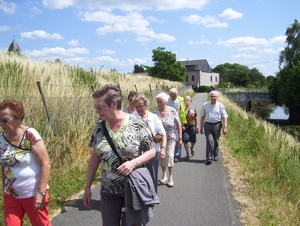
(191, 67)
(193, 78)
(216, 79)
(211, 78)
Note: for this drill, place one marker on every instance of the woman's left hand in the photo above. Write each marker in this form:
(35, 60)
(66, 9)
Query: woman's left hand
(39, 201)
(126, 168)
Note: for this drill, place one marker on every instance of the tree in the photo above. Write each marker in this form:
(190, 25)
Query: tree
(240, 75)
(166, 66)
(284, 88)
(138, 68)
(291, 54)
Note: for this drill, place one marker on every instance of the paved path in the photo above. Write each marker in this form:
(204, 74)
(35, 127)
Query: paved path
(201, 195)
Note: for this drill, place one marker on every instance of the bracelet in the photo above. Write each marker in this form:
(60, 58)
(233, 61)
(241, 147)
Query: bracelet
(179, 139)
(137, 162)
(163, 148)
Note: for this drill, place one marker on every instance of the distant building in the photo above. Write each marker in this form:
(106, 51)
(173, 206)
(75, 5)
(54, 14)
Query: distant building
(14, 47)
(199, 73)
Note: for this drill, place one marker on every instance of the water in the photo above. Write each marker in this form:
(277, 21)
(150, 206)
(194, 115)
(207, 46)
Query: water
(279, 112)
(271, 111)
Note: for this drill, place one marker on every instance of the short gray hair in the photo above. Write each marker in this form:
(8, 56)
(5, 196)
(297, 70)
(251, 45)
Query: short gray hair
(173, 90)
(141, 97)
(214, 92)
(163, 96)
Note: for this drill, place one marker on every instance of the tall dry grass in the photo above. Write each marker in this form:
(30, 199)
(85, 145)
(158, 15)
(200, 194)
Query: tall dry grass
(67, 91)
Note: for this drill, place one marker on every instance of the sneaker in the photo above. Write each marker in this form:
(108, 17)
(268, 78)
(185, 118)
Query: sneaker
(164, 179)
(186, 158)
(215, 158)
(176, 159)
(192, 151)
(170, 182)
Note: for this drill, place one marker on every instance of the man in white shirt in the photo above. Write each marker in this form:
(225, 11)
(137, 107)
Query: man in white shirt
(212, 114)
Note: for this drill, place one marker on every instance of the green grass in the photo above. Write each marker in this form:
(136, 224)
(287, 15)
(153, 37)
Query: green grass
(270, 161)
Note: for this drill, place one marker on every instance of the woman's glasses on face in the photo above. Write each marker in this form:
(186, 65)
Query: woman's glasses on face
(99, 108)
(5, 120)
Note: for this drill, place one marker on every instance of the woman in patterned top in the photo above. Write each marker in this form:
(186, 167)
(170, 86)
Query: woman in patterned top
(171, 122)
(25, 168)
(133, 141)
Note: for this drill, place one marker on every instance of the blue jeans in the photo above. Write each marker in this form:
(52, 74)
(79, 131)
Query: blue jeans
(177, 150)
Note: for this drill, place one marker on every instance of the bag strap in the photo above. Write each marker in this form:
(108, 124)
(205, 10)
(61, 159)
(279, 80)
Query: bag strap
(110, 142)
(148, 127)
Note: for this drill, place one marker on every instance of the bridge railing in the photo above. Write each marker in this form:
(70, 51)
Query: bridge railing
(244, 90)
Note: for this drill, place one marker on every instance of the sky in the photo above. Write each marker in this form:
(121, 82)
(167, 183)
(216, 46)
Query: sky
(115, 34)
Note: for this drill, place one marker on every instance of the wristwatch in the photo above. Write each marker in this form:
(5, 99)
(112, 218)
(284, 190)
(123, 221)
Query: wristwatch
(43, 193)
(225, 126)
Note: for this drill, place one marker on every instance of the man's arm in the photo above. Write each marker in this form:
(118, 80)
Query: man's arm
(201, 124)
(224, 130)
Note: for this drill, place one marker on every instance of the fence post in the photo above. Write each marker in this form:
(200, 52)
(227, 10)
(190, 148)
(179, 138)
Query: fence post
(46, 107)
(136, 89)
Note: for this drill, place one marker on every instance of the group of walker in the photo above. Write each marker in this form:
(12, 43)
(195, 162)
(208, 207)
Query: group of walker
(26, 165)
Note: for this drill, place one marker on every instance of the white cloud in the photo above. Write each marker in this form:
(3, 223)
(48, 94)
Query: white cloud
(105, 61)
(269, 50)
(35, 11)
(106, 51)
(247, 49)
(127, 5)
(278, 39)
(57, 52)
(5, 28)
(7, 7)
(231, 14)
(151, 18)
(38, 34)
(244, 42)
(207, 21)
(74, 42)
(245, 56)
(132, 22)
(120, 40)
(200, 42)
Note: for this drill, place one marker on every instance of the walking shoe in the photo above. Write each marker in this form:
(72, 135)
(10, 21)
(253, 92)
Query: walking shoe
(215, 158)
(208, 162)
(170, 183)
(164, 179)
(186, 158)
(192, 151)
(176, 159)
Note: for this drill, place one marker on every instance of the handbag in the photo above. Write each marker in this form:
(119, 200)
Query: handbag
(157, 138)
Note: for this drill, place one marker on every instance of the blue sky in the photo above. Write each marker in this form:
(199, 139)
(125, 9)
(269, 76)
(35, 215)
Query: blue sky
(116, 34)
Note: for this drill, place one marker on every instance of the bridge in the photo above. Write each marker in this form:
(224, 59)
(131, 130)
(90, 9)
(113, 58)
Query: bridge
(246, 97)
(247, 94)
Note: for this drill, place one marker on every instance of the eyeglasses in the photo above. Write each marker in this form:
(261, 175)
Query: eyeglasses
(130, 100)
(141, 106)
(99, 108)
(6, 120)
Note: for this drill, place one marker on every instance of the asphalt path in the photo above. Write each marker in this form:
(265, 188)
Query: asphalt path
(201, 195)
